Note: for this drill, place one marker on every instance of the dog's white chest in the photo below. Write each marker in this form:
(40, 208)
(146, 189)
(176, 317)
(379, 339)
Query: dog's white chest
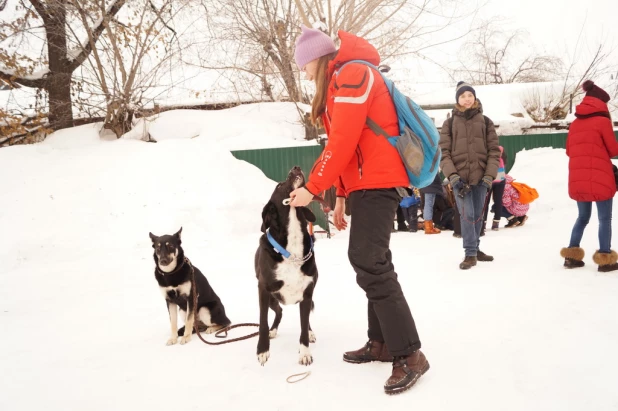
(294, 282)
(183, 289)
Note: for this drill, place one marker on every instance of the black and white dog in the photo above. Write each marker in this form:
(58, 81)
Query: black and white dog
(173, 273)
(285, 265)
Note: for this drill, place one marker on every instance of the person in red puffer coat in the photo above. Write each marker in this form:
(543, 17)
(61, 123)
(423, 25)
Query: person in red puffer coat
(591, 143)
(367, 170)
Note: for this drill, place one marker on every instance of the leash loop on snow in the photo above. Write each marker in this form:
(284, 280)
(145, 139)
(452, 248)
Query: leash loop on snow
(293, 380)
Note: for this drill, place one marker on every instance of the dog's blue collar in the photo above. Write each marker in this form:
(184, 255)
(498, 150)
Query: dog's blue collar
(285, 253)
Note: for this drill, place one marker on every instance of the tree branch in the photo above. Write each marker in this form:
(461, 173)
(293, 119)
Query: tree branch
(96, 33)
(302, 13)
(26, 82)
(40, 8)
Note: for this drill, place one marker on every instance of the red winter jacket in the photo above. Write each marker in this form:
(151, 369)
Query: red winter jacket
(591, 144)
(355, 157)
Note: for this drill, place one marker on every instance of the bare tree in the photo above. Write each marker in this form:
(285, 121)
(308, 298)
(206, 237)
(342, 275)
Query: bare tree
(556, 105)
(53, 68)
(256, 38)
(495, 56)
(131, 58)
(395, 27)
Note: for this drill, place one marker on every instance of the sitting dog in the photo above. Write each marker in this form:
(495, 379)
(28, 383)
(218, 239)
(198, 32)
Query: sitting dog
(174, 275)
(285, 265)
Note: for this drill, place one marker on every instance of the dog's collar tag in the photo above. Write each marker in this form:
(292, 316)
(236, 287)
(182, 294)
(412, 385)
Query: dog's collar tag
(285, 253)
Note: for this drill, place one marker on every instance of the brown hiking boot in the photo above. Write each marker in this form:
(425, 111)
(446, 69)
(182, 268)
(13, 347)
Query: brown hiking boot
(481, 256)
(372, 351)
(406, 371)
(467, 263)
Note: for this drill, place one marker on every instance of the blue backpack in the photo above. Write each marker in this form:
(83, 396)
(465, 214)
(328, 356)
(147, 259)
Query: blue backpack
(417, 142)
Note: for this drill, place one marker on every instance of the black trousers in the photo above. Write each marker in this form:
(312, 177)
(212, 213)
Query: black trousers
(389, 316)
(401, 218)
(411, 215)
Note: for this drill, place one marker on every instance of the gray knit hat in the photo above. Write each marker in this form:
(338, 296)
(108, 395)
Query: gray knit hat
(462, 87)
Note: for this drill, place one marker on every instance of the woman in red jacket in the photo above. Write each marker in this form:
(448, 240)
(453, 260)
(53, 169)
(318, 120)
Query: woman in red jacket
(368, 170)
(591, 144)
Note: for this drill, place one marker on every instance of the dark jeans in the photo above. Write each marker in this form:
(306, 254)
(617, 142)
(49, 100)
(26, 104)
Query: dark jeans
(604, 211)
(430, 200)
(471, 212)
(389, 316)
(506, 212)
(497, 191)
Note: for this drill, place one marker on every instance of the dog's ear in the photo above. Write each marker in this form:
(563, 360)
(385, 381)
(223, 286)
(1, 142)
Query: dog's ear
(269, 216)
(308, 214)
(153, 238)
(177, 235)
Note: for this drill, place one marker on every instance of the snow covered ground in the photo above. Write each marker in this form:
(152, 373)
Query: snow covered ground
(85, 326)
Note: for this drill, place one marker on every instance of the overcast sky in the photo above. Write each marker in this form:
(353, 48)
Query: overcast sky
(557, 23)
(554, 27)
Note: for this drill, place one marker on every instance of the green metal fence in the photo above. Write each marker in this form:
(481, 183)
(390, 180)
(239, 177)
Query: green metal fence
(514, 144)
(277, 162)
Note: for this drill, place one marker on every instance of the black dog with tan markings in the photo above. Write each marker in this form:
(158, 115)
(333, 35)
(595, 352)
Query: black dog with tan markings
(173, 272)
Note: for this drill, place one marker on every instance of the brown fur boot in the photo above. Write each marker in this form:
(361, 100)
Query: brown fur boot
(607, 261)
(573, 257)
(430, 229)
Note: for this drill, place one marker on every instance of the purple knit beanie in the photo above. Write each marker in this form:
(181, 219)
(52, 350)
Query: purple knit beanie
(312, 44)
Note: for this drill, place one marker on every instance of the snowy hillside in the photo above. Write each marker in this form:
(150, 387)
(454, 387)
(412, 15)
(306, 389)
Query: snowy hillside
(85, 325)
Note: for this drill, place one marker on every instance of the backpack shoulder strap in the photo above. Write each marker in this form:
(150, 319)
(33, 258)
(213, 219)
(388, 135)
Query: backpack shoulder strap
(373, 126)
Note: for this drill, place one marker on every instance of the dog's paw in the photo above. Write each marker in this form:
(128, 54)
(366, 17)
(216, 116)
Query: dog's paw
(185, 339)
(263, 357)
(305, 357)
(213, 329)
(312, 338)
(172, 341)
(272, 333)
